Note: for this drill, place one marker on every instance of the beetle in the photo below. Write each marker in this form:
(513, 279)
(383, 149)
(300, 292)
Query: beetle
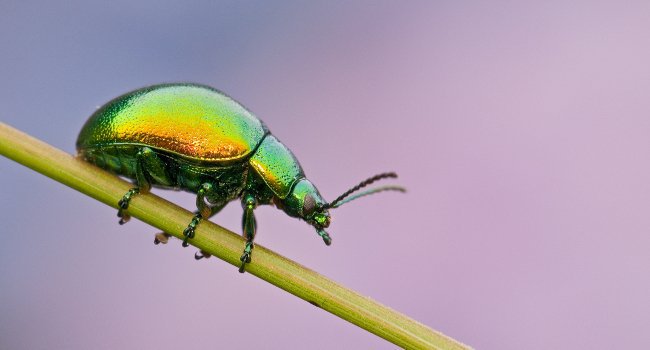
(192, 137)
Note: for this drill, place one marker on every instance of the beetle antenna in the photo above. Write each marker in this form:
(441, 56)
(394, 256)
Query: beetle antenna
(340, 200)
(369, 192)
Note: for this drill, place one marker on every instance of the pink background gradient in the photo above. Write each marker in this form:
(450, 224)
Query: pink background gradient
(521, 130)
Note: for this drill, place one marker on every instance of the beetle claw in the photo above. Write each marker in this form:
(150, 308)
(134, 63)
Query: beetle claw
(124, 220)
(124, 216)
(162, 237)
(201, 254)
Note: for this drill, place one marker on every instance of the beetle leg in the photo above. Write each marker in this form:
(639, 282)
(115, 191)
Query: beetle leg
(204, 211)
(163, 237)
(249, 226)
(201, 254)
(213, 211)
(143, 185)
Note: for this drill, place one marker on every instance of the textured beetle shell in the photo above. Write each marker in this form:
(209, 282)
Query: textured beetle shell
(193, 121)
(277, 166)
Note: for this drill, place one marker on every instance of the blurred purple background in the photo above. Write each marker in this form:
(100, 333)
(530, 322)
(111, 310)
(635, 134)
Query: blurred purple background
(520, 129)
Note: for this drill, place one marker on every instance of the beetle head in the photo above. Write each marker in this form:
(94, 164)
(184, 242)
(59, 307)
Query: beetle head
(305, 202)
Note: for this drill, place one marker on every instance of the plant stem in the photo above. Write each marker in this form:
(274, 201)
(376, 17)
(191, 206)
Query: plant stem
(226, 245)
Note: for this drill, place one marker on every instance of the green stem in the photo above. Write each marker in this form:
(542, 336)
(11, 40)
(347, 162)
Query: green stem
(226, 245)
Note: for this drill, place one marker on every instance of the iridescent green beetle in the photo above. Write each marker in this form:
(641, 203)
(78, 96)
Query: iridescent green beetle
(195, 138)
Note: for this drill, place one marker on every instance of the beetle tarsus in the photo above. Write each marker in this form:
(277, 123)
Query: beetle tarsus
(246, 257)
(123, 205)
(189, 230)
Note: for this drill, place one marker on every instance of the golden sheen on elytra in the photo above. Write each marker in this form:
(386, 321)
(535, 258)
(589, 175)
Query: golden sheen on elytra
(190, 121)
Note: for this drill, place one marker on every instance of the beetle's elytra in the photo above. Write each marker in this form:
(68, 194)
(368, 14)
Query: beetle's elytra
(195, 138)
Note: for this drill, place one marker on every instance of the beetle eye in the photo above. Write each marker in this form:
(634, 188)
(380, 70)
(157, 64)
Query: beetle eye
(308, 205)
(321, 219)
